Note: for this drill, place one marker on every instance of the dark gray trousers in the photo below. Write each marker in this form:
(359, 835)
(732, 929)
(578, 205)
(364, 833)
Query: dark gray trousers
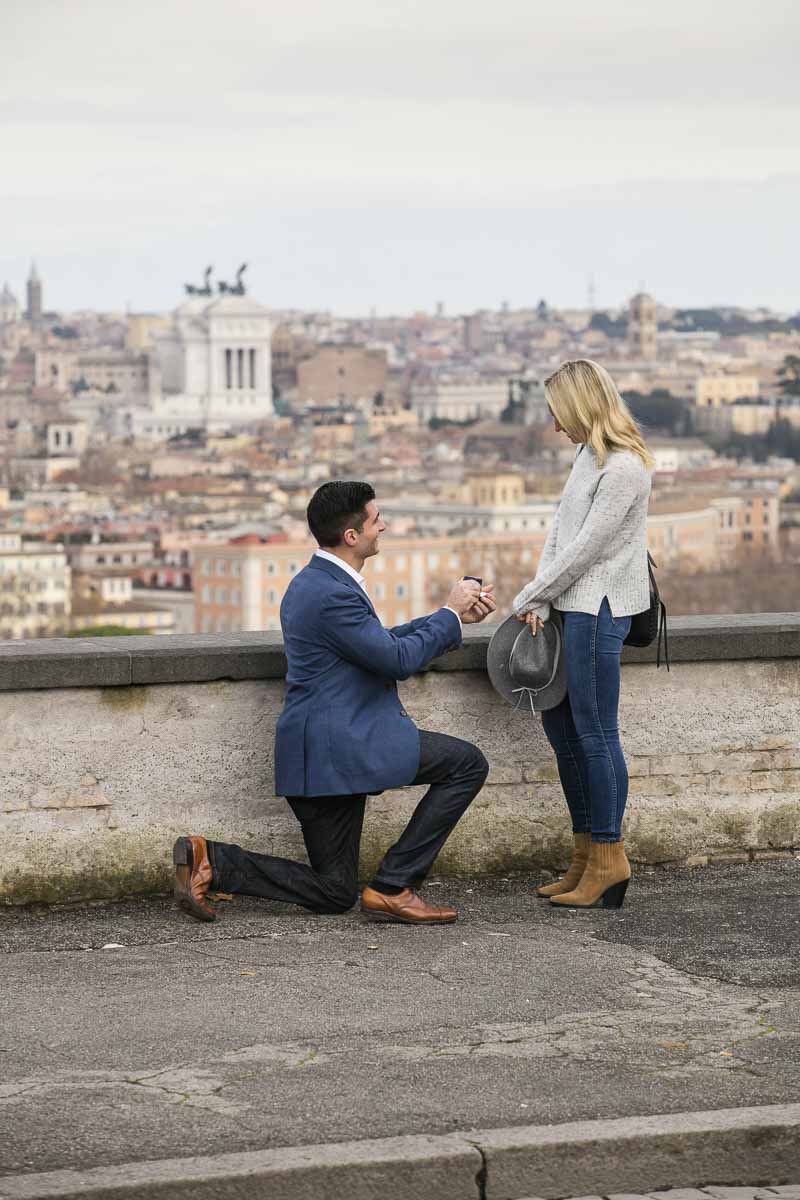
(455, 770)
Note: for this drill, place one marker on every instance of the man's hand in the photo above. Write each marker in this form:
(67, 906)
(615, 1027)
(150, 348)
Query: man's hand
(532, 620)
(463, 596)
(486, 604)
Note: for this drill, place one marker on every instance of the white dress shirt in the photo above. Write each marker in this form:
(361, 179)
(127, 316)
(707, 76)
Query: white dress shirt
(340, 562)
(360, 580)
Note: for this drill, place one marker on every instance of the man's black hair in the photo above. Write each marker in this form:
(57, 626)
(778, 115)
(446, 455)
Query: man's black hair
(337, 506)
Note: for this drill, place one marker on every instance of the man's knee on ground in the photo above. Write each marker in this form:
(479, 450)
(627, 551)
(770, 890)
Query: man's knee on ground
(339, 896)
(479, 763)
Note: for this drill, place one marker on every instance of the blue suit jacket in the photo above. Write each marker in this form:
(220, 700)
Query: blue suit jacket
(343, 730)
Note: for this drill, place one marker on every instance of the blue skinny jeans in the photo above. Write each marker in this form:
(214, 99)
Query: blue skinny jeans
(584, 728)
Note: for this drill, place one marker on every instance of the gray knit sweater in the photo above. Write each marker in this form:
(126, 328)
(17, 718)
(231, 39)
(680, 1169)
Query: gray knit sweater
(597, 544)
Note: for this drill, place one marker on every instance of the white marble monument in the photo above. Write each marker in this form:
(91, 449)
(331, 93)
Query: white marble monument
(215, 365)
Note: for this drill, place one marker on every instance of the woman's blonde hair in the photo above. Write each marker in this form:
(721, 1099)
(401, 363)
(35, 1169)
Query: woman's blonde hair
(584, 400)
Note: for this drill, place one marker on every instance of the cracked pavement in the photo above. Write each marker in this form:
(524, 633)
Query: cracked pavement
(274, 1027)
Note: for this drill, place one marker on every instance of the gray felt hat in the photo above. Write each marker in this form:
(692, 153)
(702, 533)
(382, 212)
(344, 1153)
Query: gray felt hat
(529, 672)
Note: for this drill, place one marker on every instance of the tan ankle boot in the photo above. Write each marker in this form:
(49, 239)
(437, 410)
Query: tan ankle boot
(580, 857)
(604, 882)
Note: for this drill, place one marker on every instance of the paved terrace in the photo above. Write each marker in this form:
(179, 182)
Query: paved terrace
(132, 1035)
(112, 747)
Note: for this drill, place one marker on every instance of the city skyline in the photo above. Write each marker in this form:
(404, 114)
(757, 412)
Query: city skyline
(363, 158)
(17, 290)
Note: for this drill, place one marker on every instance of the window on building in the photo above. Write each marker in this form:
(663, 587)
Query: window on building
(236, 568)
(379, 565)
(222, 595)
(292, 568)
(433, 561)
(272, 568)
(229, 369)
(205, 594)
(252, 363)
(748, 535)
(205, 566)
(222, 566)
(400, 591)
(380, 591)
(272, 596)
(400, 562)
(236, 596)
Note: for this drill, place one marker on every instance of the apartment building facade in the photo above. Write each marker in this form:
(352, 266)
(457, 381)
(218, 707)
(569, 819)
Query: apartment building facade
(711, 532)
(239, 585)
(34, 588)
(457, 401)
(711, 391)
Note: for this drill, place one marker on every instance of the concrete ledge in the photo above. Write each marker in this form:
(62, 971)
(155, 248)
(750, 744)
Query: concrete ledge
(733, 1146)
(204, 658)
(127, 661)
(737, 1146)
(404, 1168)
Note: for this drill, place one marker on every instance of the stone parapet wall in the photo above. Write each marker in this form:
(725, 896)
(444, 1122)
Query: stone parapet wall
(110, 750)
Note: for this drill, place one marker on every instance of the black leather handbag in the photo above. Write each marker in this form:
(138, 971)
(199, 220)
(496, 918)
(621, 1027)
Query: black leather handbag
(652, 623)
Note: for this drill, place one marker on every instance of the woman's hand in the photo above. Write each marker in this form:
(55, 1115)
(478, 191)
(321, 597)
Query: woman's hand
(532, 620)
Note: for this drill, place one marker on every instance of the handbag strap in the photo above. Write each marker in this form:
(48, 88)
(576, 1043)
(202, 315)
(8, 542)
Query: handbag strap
(662, 632)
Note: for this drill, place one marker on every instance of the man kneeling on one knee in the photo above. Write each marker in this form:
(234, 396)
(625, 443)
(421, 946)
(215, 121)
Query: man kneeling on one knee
(344, 734)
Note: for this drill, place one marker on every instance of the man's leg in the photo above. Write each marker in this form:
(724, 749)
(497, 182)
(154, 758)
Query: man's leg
(332, 833)
(456, 771)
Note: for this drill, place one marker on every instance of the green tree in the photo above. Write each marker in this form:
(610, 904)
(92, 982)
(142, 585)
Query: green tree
(611, 327)
(781, 439)
(659, 410)
(790, 375)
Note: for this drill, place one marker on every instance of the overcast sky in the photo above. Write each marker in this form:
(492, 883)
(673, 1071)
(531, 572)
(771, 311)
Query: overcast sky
(362, 153)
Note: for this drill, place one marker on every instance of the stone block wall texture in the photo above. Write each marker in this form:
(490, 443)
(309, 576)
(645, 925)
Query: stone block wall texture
(98, 781)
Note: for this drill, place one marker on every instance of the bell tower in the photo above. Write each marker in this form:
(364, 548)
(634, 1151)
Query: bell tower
(642, 327)
(33, 310)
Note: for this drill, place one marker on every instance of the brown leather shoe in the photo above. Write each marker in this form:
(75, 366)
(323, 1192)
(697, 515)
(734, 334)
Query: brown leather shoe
(193, 877)
(407, 908)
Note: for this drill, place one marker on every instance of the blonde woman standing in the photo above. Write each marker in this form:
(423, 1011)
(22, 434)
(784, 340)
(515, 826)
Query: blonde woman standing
(593, 569)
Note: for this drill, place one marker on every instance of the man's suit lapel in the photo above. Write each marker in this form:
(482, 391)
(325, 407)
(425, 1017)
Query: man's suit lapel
(341, 576)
